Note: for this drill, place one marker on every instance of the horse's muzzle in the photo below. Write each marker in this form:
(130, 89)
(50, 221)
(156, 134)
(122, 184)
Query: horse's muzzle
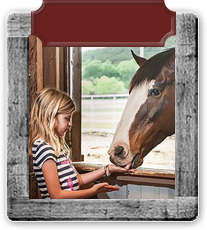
(137, 161)
(121, 156)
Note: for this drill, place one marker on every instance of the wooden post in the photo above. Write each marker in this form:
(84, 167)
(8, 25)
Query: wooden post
(57, 68)
(76, 96)
(35, 86)
(49, 67)
(66, 62)
(66, 83)
(39, 66)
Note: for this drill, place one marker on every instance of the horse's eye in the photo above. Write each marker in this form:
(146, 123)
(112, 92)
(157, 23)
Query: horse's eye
(154, 92)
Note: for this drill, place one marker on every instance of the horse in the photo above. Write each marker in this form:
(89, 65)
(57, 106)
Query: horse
(149, 114)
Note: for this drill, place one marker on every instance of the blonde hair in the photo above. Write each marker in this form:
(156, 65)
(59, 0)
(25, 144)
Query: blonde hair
(47, 105)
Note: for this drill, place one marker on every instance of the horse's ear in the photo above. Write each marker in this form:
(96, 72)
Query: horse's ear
(139, 60)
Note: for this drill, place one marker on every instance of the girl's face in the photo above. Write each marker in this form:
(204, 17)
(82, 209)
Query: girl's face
(63, 123)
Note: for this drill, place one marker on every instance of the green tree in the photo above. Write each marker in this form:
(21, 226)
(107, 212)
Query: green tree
(106, 85)
(92, 70)
(87, 87)
(109, 69)
(127, 69)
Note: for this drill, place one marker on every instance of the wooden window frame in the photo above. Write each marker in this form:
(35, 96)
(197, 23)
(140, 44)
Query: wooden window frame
(76, 92)
(54, 69)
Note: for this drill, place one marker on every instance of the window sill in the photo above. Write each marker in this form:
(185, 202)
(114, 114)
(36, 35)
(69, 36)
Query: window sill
(143, 176)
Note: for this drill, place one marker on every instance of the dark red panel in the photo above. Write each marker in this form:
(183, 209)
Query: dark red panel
(103, 23)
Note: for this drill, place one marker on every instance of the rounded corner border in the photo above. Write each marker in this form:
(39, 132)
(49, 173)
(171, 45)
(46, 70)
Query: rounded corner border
(33, 21)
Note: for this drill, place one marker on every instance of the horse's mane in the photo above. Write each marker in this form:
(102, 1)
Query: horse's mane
(151, 68)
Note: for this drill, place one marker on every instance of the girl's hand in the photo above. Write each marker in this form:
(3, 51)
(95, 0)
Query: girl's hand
(114, 168)
(104, 187)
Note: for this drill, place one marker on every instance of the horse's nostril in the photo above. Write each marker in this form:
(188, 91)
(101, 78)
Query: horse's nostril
(118, 151)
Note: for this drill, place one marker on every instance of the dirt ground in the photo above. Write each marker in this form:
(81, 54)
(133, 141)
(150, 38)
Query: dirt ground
(96, 145)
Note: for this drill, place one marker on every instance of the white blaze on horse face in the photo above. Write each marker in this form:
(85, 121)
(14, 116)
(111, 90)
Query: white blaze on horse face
(137, 97)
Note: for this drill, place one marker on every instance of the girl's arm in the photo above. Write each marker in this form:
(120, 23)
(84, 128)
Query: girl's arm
(92, 176)
(52, 182)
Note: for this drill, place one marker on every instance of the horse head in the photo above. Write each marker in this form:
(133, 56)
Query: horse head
(149, 114)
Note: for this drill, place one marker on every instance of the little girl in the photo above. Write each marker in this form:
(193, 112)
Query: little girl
(57, 178)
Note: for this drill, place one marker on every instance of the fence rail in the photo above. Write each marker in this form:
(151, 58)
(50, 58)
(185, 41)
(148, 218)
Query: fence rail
(114, 96)
(101, 113)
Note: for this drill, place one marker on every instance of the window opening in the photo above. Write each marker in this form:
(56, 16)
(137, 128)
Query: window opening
(106, 73)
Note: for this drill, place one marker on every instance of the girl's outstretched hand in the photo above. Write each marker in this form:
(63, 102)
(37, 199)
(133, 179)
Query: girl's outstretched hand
(114, 168)
(104, 187)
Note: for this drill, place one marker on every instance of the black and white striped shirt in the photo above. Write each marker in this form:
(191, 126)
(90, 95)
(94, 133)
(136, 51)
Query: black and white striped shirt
(68, 179)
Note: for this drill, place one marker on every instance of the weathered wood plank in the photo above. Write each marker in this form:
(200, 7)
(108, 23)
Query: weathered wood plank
(19, 25)
(186, 137)
(18, 117)
(114, 210)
